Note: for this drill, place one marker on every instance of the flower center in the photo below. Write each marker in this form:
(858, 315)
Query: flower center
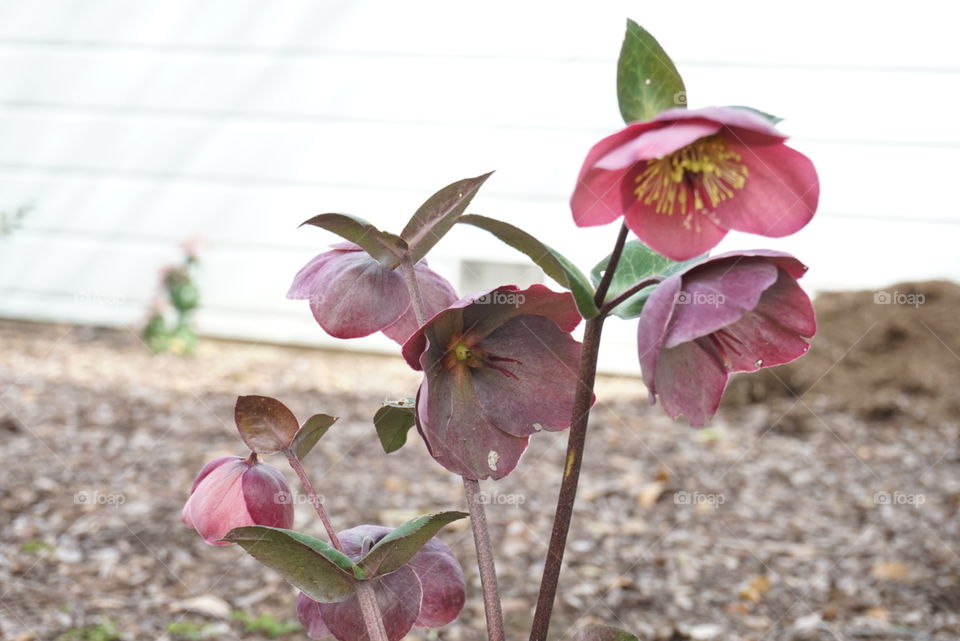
(461, 351)
(694, 179)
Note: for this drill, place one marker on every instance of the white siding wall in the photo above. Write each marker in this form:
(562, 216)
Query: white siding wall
(129, 125)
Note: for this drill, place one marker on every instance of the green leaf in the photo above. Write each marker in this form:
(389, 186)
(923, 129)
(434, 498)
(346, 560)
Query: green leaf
(318, 569)
(647, 80)
(388, 249)
(311, 432)
(599, 632)
(773, 119)
(438, 214)
(395, 549)
(265, 424)
(553, 264)
(393, 421)
(637, 262)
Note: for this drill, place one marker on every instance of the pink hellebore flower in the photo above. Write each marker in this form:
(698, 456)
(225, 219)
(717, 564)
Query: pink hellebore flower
(498, 367)
(427, 592)
(352, 295)
(685, 178)
(735, 312)
(232, 492)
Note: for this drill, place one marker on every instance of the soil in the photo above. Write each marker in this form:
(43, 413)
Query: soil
(821, 503)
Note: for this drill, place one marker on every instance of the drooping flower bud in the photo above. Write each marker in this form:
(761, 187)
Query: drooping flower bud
(428, 592)
(231, 492)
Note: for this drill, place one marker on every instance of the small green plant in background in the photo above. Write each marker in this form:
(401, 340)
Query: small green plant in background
(265, 624)
(36, 546)
(10, 220)
(105, 630)
(178, 290)
(192, 630)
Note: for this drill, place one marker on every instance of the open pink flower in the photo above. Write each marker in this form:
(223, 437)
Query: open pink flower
(427, 592)
(232, 492)
(498, 367)
(352, 295)
(685, 178)
(735, 312)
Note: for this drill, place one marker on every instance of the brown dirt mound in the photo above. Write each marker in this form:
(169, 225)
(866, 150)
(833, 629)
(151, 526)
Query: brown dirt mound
(882, 354)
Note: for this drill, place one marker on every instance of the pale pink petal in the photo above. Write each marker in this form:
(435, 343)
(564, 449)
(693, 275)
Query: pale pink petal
(438, 294)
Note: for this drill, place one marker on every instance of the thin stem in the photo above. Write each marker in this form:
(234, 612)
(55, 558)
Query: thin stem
(371, 612)
(314, 498)
(576, 443)
(485, 562)
(478, 517)
(611, 305)
(611, 268)
(372, 617)
(413, 288)
(570, 480)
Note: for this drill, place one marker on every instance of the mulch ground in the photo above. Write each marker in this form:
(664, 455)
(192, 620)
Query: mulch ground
(820, 504)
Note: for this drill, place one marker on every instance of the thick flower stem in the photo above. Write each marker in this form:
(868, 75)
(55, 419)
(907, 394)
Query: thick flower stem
(478, 517)
(371, 612)
(571, 477)
(485, 562)
(576, 445)
(314, 499)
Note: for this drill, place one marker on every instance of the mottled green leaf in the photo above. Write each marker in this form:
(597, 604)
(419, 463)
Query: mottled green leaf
(318, 569)
(553, 264)
(393, 420)
(396, 548)
(637, 262)
(438, 214)
(265, 424)
(388, 249)
(310, 432)
(647, 80)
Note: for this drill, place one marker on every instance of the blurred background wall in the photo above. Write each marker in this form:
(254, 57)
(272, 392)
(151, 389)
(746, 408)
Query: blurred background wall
(130, 126)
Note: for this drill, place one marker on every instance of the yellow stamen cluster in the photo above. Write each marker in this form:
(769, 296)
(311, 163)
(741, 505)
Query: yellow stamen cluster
(705, 171)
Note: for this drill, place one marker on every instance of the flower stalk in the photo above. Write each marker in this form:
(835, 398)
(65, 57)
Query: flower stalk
(478, 516)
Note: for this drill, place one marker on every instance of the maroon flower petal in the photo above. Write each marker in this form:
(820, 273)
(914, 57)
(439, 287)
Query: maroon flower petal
(483, 312)
(438, 294)
(717, 294)
(780, 195)
(308, 612)
(398, 594)
(652, 329)
(458, 434)
(350, 293)
(443, 584)
(539, 394)
(690, 381)
(268, 497)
